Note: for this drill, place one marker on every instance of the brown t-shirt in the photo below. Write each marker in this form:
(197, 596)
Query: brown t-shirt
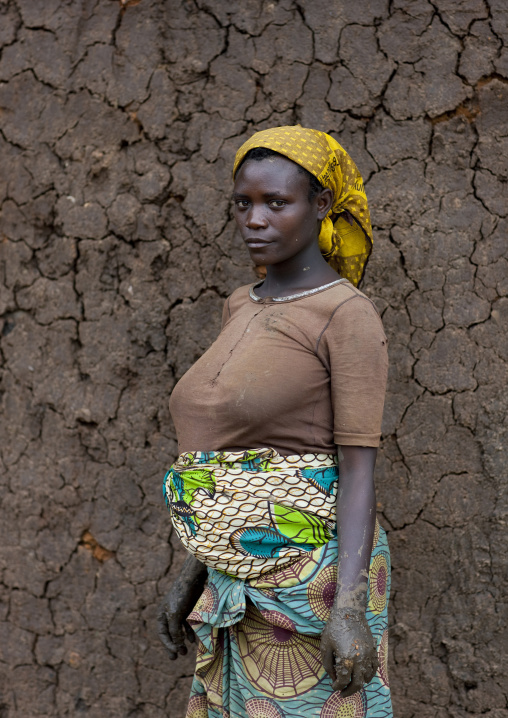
(300, 376)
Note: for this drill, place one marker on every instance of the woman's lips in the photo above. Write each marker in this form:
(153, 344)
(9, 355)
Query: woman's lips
(253, 243)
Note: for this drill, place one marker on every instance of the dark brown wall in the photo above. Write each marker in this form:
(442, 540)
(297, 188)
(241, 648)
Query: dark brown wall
(118, 130)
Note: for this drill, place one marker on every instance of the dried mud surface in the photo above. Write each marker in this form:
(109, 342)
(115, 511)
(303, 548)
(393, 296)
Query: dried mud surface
(118, 125)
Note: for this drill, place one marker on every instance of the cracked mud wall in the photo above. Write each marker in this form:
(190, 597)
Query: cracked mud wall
(118, 125)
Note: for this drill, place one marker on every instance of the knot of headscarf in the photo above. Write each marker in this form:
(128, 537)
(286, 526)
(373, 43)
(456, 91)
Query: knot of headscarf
(345, 238)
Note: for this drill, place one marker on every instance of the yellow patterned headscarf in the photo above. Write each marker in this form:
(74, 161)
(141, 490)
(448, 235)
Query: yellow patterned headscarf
(345, 242)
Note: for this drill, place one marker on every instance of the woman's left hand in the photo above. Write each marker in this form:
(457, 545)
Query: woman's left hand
(348, 650)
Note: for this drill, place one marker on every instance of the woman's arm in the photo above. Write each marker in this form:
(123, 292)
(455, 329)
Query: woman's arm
(176, 606)
(347, 646)
(356, 519)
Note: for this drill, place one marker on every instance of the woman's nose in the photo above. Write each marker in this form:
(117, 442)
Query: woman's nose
(256, 218)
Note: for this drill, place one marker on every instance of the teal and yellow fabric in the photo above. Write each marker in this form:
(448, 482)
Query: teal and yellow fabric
(258, 642)
(265, 525)
(246, 513)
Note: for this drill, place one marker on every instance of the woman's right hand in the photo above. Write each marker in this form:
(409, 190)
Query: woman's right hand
(177, 604)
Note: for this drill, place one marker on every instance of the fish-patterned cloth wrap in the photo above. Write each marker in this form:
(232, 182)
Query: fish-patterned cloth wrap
(265, 525)
(346, 237)
(249, 512)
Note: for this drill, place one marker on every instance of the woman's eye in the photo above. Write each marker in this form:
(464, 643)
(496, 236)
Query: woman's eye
(241, 203)
(277, 203)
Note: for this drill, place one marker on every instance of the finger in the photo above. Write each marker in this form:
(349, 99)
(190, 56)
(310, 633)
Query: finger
(177, 636)
(343, 668)
(191, 636)
(328, 662)
(162, 627)
(357, 681)
(171, 635)
(162, 631)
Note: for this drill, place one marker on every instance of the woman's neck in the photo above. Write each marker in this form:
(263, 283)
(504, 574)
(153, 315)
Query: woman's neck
(300, 273)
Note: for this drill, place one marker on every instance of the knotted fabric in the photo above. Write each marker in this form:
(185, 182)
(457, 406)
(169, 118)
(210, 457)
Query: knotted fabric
(345, 238)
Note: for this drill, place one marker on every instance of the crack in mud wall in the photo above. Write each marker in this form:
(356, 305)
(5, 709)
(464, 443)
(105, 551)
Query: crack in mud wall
(118, 126)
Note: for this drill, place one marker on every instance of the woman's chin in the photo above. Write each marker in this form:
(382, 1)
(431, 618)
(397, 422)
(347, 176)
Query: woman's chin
(260, 256)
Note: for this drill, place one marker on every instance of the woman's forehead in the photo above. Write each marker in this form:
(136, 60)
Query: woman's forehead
(275, 172)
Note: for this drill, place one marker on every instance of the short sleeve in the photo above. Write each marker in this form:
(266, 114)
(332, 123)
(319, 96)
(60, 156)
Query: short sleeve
(353, 347)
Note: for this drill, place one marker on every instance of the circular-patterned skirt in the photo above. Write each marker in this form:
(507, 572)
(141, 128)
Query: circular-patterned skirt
(277, 660)
(259, 651)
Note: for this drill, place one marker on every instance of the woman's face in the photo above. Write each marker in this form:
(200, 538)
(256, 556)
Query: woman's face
(273, 211)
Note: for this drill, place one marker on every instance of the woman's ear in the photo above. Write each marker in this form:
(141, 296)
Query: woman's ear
(324, 203)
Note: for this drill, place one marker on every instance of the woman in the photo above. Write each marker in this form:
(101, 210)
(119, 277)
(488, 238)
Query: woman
(289, 397)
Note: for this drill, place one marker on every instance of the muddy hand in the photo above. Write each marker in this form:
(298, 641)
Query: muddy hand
(172, 626)
(348, 650)
(177, 604)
